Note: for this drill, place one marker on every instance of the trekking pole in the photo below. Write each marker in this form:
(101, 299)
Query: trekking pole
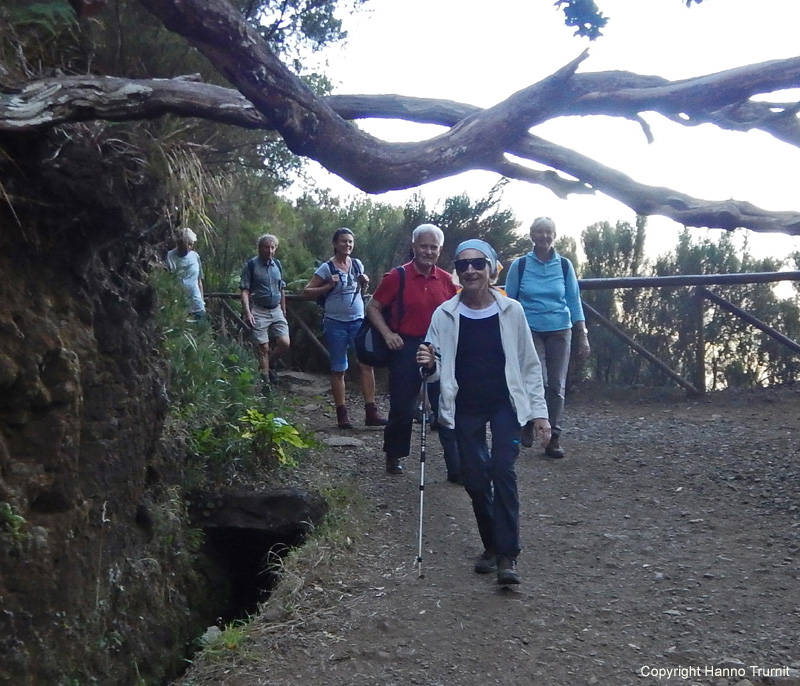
(422, 438)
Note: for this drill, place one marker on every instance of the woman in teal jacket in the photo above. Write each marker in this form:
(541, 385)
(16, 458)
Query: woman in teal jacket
(545, 284)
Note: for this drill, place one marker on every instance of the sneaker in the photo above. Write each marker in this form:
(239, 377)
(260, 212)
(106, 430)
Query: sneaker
(393, 465)
(273, 376)
(507, 571)
(486, 563)
(553, 449)
(527, 435)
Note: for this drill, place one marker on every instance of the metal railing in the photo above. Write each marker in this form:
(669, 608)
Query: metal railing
(701, 294)
(232, 323)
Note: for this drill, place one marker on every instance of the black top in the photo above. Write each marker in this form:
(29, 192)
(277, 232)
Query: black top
(480, 365)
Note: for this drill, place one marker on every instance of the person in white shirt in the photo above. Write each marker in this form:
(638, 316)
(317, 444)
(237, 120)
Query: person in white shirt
(185, 262)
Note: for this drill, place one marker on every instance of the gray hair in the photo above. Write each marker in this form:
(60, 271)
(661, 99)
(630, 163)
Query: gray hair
(543, 223)
(422, 229)
(266, 237)
(187, 235)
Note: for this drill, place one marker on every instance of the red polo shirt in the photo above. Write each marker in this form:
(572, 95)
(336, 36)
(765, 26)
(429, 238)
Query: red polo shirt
(421, 296)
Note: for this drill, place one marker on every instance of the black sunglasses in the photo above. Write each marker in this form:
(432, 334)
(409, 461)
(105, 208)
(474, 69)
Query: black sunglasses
(478, 264)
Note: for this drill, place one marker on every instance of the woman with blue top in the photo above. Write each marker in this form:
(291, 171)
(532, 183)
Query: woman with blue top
(545, 284)
(479, 348)
(340, 282)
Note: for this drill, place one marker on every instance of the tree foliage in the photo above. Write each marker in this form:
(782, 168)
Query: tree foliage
(663, 320)
(587, 18)
(272, 96)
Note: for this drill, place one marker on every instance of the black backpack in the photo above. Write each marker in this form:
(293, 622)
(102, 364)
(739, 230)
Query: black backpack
(371, 349)
(356, 265)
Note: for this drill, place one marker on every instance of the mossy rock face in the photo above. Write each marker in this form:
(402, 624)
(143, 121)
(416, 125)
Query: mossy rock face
(90, 588)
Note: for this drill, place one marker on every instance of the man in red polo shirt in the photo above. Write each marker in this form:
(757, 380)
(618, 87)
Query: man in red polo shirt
(425, 287)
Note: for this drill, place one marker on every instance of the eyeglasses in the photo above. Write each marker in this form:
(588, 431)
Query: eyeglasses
(478, 264)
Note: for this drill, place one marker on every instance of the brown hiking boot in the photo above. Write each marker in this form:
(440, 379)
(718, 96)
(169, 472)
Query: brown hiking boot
(342, 419)
(372, 417)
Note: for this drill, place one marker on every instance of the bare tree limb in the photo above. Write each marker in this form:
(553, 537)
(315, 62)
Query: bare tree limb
(54, 101)
(269, 96)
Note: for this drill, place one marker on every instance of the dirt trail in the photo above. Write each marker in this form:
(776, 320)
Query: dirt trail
(664, 549)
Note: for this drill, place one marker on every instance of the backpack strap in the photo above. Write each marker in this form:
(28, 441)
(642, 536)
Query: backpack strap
(401, 271)
(251, 267)
(521, 267)
(524, 259)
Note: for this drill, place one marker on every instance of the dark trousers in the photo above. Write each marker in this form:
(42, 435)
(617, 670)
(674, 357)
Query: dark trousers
(404, 386)
(489, 476)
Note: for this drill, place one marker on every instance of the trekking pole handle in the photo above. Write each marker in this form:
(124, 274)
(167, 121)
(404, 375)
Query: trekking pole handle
(424, 371)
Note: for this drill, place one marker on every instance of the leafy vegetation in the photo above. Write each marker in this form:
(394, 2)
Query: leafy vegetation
(13, 525)
(213, 387)
(269, 437)
(662, 319)
(586, 17)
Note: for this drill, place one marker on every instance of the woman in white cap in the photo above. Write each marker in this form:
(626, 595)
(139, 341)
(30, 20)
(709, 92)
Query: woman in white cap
(185, 262)
(479, 347)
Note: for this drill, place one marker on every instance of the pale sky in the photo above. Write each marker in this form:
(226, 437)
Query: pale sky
(481, 51)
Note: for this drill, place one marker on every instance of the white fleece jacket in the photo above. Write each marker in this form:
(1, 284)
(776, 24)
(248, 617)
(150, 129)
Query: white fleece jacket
(523, 370)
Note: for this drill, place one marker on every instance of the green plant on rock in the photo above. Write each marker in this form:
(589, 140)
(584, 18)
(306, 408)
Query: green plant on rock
(269, 437)
(13, 524)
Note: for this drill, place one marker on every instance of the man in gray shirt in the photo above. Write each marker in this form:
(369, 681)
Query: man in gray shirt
(264, 305)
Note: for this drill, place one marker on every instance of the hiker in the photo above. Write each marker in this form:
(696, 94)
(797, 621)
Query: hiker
(545, 284)
(480, 349)
(185, 263)
(264, 306)
(337, 285)
(412, 292)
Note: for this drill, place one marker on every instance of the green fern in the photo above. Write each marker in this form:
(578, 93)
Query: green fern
(51, 16)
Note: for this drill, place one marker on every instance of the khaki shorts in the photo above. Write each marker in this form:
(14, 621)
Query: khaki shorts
(270, 324)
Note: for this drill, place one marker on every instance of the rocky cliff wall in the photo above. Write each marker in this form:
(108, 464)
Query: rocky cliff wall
(95, 583)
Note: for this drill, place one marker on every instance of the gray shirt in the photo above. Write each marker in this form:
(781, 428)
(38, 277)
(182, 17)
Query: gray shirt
(344, 303)
(264, 281)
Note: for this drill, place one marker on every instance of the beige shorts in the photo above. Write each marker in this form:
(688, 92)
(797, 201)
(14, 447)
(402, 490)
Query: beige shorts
(270, 324)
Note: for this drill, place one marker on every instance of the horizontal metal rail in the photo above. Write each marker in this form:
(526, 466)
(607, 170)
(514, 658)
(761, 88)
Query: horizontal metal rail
(686, 280)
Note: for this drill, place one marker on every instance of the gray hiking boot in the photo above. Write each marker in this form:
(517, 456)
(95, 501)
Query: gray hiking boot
(486, 563)
(507, 571)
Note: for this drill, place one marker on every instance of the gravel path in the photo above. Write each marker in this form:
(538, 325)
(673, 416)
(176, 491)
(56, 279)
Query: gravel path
(664, 549)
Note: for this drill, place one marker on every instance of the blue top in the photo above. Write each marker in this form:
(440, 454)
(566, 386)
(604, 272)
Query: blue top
(344, 302)
(551, 300)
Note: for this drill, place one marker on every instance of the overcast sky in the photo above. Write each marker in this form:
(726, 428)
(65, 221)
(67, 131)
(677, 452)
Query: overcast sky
(481, 51)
